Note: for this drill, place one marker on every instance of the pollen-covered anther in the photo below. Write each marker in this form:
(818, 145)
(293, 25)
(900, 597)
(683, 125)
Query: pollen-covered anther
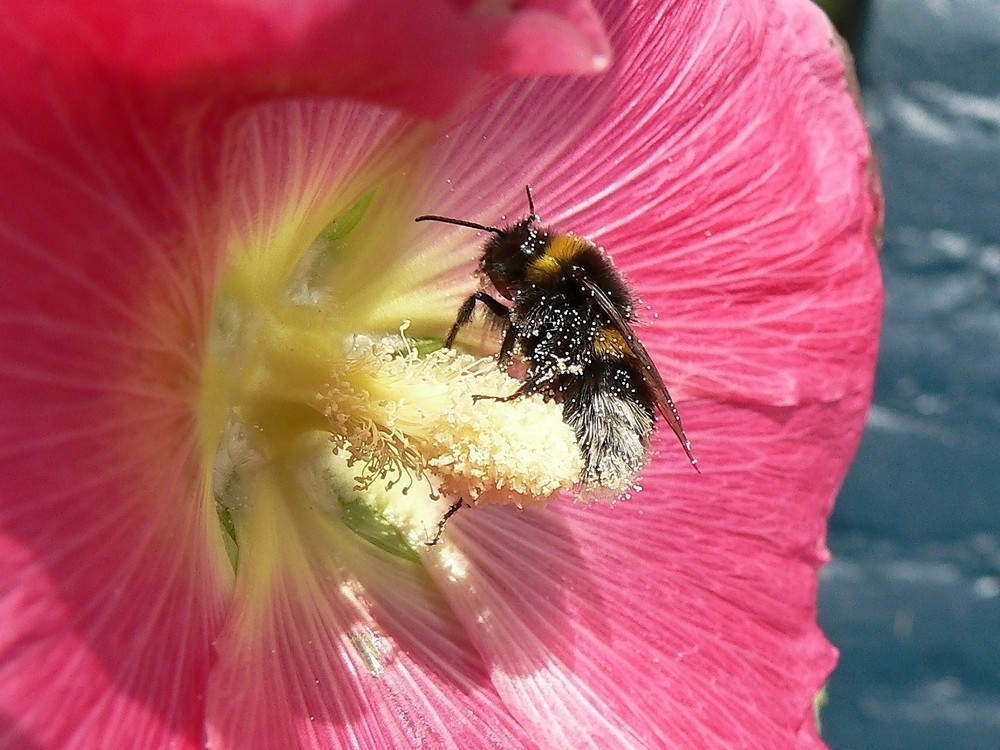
(402, 415)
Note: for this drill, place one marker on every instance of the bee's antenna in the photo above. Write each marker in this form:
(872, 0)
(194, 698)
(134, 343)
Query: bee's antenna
(531, 204)
(461, 223)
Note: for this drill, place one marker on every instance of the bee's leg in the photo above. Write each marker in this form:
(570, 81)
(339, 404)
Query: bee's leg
(529, 387)
(455, 507)
(507, 347)
(496, 308)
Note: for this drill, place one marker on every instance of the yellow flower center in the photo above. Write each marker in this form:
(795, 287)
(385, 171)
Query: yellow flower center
(306, 391)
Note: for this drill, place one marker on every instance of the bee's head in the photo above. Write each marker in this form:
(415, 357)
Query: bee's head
(507, 254)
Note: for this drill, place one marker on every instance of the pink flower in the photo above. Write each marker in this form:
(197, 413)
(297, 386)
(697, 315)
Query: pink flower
(209, 254)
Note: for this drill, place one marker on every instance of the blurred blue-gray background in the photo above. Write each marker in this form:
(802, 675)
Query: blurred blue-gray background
(912, 597)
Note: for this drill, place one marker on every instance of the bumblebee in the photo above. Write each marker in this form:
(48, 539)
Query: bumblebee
(570, 321)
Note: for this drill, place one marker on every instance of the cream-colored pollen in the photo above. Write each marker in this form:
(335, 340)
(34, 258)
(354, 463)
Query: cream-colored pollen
(399, 416)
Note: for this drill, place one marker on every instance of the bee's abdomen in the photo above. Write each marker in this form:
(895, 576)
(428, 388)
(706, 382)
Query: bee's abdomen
(610, 344)
(611, 410)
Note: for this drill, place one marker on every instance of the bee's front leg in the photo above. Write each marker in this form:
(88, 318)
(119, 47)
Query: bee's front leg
(455, 507)
(498, 310)
(538, 383)
(510, 338)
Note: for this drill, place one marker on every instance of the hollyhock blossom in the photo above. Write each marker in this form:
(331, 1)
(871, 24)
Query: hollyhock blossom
(228, 426)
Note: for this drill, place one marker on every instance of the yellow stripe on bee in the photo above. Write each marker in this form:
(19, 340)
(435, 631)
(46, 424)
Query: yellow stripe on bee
(559, 255)
(610, 343)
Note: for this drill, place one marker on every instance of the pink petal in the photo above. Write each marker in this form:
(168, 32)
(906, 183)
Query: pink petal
(112, 576)
(109, 593)
(725, 166)
(354, 650)
(419, 56)
(682, 618)
(546, 37)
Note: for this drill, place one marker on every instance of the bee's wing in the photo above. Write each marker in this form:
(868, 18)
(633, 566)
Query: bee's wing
(664, 404)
